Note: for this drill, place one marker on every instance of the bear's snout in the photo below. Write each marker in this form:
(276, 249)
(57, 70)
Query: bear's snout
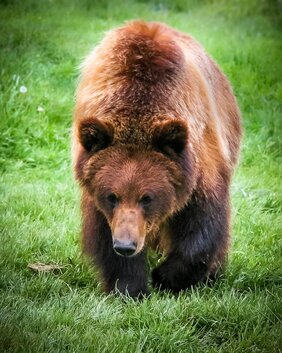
(128, 231)
(124, 248)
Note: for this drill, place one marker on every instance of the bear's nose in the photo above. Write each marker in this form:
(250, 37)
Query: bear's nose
(124, 248)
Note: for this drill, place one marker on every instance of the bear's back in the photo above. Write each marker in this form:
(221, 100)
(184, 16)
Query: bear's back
(143, 73)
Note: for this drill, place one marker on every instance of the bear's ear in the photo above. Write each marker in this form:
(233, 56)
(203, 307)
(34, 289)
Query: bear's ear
(95, 135)
(170, 136)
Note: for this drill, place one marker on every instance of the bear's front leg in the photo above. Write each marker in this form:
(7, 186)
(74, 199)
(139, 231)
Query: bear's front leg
(127, 275)
(200, 240)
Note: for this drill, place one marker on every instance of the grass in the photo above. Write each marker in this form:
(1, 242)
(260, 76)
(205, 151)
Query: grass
(42, 44)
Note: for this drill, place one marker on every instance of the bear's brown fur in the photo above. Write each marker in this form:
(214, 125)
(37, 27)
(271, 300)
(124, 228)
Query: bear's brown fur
(155, 140)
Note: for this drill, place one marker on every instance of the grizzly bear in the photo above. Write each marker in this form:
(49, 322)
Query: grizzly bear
(156, 136)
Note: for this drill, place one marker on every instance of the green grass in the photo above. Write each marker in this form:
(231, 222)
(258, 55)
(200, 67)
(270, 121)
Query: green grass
(42, 44)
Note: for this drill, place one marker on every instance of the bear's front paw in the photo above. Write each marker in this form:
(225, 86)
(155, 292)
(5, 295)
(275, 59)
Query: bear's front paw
(161, 280)
(179, 276)
(131, 289)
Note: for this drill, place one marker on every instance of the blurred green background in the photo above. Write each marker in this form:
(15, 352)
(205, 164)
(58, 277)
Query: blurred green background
(42, 44)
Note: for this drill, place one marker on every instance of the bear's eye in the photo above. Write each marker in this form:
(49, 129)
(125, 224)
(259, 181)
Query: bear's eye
(113, 199)
(145, 200)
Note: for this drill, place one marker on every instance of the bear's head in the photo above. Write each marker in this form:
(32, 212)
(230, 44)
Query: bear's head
(135, 189)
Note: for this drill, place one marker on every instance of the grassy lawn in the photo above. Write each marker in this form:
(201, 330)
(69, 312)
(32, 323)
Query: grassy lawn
(42, 44)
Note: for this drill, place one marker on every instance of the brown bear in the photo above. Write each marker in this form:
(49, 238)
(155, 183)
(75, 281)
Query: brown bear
(156, 136)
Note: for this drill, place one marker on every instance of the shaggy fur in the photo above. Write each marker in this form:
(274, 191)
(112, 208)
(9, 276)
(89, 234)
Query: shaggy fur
(156, 137)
